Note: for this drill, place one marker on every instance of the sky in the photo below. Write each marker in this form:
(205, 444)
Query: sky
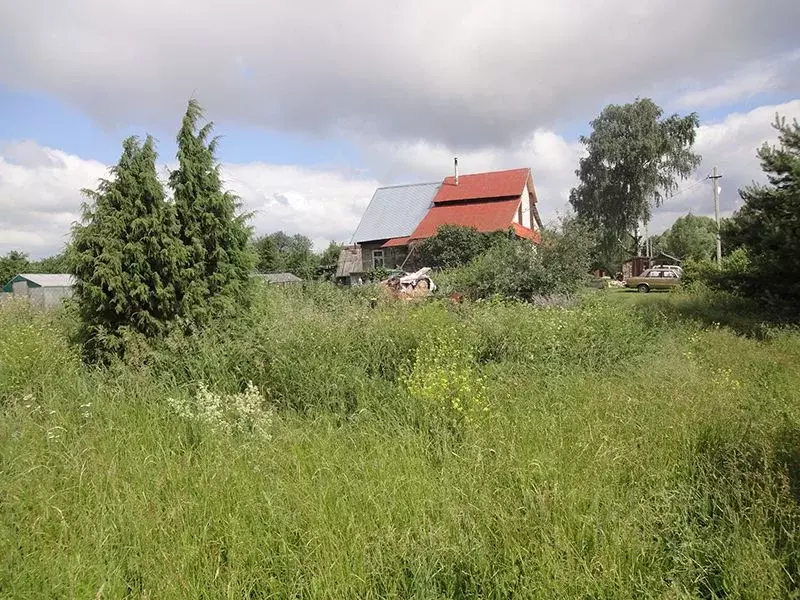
(318, 103)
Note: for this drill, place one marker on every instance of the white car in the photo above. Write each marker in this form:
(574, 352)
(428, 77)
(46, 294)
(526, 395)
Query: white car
(676, 268)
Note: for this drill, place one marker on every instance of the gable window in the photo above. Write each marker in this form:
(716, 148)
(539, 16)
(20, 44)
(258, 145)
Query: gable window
(377, 259)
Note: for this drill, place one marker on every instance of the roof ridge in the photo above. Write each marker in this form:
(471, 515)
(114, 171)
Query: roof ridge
(489, 172)
(400, 185)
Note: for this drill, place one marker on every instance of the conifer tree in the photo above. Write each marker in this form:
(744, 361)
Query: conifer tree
(768, 224)
(125, 255)
(214, 278)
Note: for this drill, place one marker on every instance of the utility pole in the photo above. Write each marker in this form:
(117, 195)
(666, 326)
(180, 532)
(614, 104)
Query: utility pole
(713, 179)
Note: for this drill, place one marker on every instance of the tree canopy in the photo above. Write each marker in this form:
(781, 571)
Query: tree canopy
(455, 245)
(635, 159)
(280, 252)
(12, 264)
(689, 236)
(126, 255)
(768, 224)
(215, 270)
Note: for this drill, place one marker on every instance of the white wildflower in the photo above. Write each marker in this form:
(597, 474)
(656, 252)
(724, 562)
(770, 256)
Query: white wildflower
(54, 433)
(244, 413)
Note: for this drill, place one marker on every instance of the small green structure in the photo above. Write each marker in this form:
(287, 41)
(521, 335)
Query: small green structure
(39, 280)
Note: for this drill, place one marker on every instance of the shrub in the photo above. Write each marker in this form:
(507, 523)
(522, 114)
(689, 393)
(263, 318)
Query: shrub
(518, 269)
(455, 245)
(733, 275)
(448, 391)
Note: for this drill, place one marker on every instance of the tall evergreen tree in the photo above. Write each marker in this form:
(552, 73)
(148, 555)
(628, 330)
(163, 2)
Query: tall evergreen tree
(768, 225)
(125, 255)
(266, 254)
(215, 273)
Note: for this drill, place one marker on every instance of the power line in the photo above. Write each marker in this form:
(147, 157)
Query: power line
(686, 189)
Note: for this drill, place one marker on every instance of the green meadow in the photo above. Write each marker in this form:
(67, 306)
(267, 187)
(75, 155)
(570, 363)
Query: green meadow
(630, 446)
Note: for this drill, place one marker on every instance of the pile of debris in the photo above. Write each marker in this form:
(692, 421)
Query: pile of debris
(407, 286)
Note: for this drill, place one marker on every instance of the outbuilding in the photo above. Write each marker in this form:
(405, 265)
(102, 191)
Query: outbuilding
(45, 290)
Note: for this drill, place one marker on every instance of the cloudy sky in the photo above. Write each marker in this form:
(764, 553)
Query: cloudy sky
(318, 103)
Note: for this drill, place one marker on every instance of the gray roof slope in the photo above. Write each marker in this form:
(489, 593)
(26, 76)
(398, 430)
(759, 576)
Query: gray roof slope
(49, 279)
(279, 277)
(395, 211)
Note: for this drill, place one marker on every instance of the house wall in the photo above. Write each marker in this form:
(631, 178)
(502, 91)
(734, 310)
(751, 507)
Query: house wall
(392, 257)
(526, 209)
(635, 266)
(48, 297)
(39, 297)
(527, 220)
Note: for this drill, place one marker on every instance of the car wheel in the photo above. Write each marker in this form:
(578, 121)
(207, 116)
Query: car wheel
(643, 288)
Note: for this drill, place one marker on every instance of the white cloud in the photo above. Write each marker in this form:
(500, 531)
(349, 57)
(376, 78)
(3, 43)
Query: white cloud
(461, 72)
(730, 145)
(39, 187)
(756, 78)
(40, 197)
(323, 205)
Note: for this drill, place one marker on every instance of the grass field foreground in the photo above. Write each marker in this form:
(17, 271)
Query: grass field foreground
(624, 448)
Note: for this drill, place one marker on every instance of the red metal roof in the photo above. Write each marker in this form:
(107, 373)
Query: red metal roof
(528, 234)
(480, 186)
(399, 241)
(489, 215)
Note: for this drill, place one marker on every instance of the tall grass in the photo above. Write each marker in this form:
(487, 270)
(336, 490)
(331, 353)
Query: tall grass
(626, 452)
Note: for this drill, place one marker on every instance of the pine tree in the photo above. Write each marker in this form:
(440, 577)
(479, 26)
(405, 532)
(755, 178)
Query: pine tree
(125, 255)
(214, 278)
(768, 225)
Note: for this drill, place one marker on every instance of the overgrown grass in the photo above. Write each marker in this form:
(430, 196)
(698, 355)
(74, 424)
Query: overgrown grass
(629, 451)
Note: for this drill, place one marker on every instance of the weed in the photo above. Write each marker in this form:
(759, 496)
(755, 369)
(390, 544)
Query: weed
(633, 448)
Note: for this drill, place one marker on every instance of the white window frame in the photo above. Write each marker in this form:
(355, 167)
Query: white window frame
(378, 254)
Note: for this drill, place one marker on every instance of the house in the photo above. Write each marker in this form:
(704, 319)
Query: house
(278, 278)
(26, 281)
(391, 216)
(45, 290)
(397, 217)
(349, 266)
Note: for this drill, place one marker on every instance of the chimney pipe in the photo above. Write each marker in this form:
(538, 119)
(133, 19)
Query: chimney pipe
(455, 165)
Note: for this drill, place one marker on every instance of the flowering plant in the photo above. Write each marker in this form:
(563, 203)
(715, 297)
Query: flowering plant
(244, 412)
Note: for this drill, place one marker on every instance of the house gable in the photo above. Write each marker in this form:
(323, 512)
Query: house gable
(483, 186)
